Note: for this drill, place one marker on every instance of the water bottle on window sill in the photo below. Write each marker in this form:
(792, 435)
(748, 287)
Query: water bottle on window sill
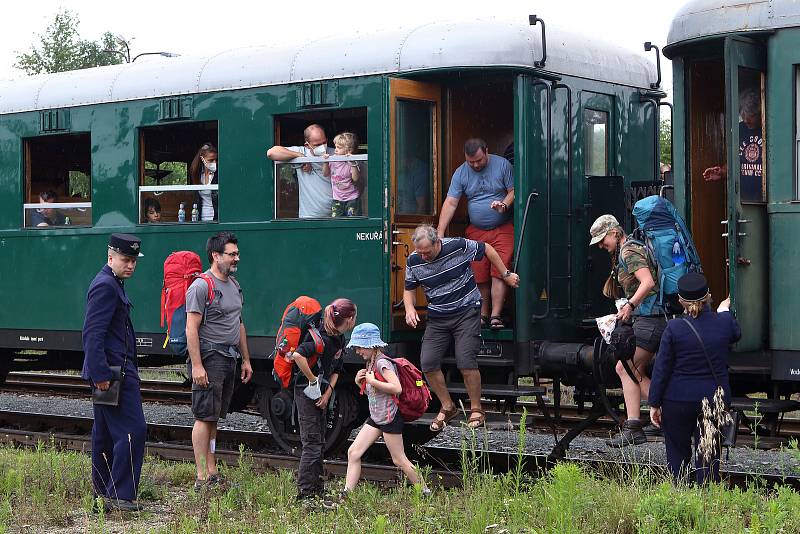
(195, 213)
(181, 213)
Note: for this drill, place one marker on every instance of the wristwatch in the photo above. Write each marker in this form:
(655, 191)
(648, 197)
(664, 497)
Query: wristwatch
(506, 274)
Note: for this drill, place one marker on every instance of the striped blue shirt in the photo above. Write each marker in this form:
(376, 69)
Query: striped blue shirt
(447, 280)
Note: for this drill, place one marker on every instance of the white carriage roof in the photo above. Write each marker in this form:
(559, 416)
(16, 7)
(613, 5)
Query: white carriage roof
(486, 43)
(708, 18)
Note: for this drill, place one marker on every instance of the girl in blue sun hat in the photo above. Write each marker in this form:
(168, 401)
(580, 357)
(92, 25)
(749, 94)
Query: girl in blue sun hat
(379, 380)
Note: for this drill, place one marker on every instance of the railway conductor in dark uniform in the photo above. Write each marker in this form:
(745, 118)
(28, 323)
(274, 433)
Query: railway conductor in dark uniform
(119, 431)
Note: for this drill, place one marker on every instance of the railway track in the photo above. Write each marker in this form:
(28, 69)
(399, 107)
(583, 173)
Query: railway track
(173, 442)
(171, 392)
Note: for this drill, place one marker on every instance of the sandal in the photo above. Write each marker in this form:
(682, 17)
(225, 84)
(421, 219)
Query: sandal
(484, 321)
(442, 418)
(496, 322)
(476, 422)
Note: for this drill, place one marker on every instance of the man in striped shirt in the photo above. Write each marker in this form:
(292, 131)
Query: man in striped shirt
(442, 268)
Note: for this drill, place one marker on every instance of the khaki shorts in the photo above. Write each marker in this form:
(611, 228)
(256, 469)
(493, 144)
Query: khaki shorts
(648, 331)
(211, 403)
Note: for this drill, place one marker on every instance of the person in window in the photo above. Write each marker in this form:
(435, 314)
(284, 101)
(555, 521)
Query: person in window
(316, 192)
(413, 185)
(47, 216)
(487, 181)
(751, 149)
(152, 210)
(344, 177)
(203, 171)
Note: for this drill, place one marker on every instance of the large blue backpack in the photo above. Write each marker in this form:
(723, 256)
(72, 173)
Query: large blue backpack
(663, 233)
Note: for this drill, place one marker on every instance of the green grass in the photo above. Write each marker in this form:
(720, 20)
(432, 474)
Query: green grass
(43, 490)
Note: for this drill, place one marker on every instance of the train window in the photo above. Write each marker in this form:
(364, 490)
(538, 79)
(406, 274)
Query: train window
(58, 185)
(414, 158)
(178, 173)
(595, 142)
(797, 133)
(328, 173)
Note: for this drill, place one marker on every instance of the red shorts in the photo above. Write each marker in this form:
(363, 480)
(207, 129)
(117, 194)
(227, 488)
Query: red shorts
(502, 240)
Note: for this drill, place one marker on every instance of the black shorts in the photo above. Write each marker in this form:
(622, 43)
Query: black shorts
(463, 330)
(648, 331)
(211, 403)
(395, 427)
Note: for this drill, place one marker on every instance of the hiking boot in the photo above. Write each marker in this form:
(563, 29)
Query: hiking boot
(631, 433)
(200, 484)
(217, 481)
(122, 505)
(653, 431)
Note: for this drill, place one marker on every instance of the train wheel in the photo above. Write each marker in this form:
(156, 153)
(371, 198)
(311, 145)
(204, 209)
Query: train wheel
(276, 406)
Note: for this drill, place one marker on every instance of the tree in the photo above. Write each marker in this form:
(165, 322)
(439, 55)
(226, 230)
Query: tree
(665, 140)
(61, 48)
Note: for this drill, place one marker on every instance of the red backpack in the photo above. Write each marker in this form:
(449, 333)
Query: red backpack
(414, 399)
(180, 270)
(298, 319)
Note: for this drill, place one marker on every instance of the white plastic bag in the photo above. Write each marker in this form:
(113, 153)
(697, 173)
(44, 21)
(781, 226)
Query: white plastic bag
(606, 325)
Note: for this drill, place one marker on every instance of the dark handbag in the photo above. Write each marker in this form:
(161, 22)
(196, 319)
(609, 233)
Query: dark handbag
(109, 397)
(728, 431)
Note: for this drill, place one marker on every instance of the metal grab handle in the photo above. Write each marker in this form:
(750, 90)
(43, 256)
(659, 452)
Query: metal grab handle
(532, 20)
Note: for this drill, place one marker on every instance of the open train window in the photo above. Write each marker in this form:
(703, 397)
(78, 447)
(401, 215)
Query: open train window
(325, 175)
(595, 139)
(58, 185)
(178, 175)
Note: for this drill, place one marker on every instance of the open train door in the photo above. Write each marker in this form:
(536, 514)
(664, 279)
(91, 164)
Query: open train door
(415, 187)
(746, 225)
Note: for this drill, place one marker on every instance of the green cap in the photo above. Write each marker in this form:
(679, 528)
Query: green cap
(601, 227)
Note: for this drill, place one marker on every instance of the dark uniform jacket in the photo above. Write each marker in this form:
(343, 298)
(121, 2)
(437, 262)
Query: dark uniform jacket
(107, 331)
(681, 371)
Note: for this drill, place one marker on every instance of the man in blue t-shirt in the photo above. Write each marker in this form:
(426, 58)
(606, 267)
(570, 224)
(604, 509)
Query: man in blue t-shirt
(487, 181)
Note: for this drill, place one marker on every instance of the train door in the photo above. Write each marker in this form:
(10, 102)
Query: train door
(746, 224)
(415, 149)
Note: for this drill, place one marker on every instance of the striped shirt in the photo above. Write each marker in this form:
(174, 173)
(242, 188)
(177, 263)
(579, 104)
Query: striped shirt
(447, 280)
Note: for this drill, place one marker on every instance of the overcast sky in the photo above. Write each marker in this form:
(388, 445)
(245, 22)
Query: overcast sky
(203, 27)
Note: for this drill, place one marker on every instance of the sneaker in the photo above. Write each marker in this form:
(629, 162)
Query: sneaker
(200, 484)
(631, 433)
(217, 481)
(653, 431)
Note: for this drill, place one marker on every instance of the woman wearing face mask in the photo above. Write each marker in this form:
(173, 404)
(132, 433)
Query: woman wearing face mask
(203, 171)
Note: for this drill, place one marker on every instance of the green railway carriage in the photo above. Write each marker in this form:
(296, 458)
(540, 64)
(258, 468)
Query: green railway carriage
(579, 117)
(726, 56)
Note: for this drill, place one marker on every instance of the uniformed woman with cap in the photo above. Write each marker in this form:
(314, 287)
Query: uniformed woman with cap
(635, 275)
(683, 375)
(109, 346)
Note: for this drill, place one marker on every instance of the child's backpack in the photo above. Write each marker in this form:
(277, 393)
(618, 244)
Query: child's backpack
(669, 246)
(414, 399)
(298, 321)
(180, 270)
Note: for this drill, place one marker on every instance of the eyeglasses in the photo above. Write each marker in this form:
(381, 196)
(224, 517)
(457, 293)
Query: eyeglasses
(232, 254)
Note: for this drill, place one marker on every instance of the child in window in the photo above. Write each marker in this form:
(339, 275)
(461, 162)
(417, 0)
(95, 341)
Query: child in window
(152, 210)
(379, 380)
(344, 177)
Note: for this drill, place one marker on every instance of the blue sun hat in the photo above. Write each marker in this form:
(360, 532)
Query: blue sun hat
(366, 336)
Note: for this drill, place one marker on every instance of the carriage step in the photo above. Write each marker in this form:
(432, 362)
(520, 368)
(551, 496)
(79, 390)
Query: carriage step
(500, 390)
(765, 406)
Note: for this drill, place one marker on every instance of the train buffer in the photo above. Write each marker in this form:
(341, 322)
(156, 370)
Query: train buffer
(770, 411)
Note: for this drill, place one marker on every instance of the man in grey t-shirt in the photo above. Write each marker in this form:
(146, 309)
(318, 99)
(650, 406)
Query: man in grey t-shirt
(316, 192)
(215, 337)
